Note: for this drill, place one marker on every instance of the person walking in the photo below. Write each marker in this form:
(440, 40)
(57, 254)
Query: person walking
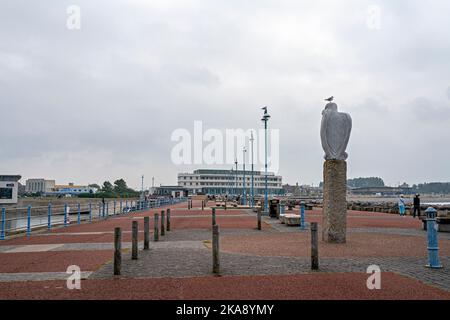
(416, 206)
(401, 206)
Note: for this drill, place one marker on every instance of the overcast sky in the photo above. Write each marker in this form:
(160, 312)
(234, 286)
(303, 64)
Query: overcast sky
(101, 102)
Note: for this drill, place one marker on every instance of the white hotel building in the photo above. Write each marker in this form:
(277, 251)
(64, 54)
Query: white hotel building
(214, 182)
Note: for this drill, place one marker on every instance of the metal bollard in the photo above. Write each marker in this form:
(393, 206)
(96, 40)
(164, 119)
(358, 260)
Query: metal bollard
(156, 228)
(117, 251)
(3, 225)
(168, 220)
(314, 247)
(90, 212)
(203, 205)
(432, 235)
(163, 230)
(114, 212)
(302, 216)
(79, 214)
(259, 218)
(215, 249)
(29, 221)
(134, 240)
(213, 216)
(49, 216)
(65, 215)
(120, 207)
(146, 233)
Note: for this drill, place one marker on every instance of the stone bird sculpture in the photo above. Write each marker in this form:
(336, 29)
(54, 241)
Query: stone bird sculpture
(335, 132)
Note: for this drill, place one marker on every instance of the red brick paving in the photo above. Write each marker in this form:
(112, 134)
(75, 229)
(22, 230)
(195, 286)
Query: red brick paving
(53, 261)
(296, 287)
(358, 245)
(357, 219)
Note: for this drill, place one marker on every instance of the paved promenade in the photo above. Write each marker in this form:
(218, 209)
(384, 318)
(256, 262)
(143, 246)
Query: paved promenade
(273, 263)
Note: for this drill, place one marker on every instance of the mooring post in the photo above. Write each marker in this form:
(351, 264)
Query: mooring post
(117, 251)
(156, 228)
(163, 229)
(314, 247)
(225, 204)
(90, 212)
(213, 216)
(114, 212)
(134, 240)
(49, 216)
(215, 249)
(146, 233)
(432, 235)
(203, 204)
(259, 218)
(120, 207)
(3, 225)
(168, 220)
(79, 214)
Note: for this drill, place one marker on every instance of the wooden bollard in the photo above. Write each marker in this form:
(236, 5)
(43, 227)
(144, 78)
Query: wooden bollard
(189, 204)
(134, 240)
(117, 251)
(156, 228)
(259, 218)
(213, 216)
(168, 220)
(314, 247)
(225, 204)
(146, 233)
(163, 229)
(215, 248)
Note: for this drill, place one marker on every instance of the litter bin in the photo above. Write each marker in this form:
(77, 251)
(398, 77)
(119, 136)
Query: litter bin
(273, 208)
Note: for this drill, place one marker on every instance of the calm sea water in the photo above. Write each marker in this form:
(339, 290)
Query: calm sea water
(438, 203)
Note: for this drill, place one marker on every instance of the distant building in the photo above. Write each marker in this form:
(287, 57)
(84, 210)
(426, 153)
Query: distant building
(72, 189)
(174, 191)
(39, 186)
(9, 185)
(212, 182)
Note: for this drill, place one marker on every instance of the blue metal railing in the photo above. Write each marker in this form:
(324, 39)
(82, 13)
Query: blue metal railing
(26, 219)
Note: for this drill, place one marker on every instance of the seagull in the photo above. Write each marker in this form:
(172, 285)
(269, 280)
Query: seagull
(265, 109)
(330, 99)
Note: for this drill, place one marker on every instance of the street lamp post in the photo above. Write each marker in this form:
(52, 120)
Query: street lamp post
(252, 191)
(265, 119)
(244, 185)
(236, 177)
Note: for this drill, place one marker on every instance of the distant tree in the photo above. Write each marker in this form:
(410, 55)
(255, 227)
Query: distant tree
(120, 186)
(107, 187)
(94, 185)
(365, 182)
(433, 187)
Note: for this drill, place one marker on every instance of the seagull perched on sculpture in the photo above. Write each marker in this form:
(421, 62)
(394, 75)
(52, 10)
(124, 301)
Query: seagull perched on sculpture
(330, 99)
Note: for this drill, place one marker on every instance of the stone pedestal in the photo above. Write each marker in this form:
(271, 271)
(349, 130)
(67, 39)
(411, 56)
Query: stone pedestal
(334, 226)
